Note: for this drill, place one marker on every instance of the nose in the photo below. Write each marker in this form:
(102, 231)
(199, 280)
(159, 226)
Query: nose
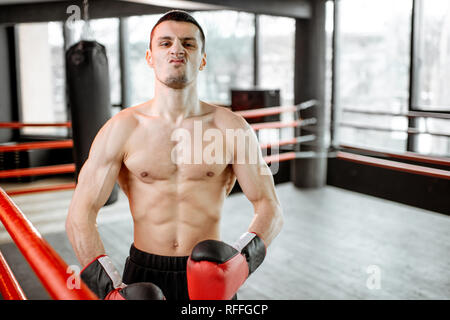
(177, 49)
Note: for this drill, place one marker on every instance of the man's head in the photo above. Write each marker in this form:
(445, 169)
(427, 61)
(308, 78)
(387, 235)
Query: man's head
(176, 50)
(181, 16)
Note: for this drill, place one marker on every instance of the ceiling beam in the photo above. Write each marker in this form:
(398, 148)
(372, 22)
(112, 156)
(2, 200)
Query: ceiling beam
(57, 10)
(16, 11)
(300, 9)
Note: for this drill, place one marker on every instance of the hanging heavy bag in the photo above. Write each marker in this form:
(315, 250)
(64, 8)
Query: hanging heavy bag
(88, 94)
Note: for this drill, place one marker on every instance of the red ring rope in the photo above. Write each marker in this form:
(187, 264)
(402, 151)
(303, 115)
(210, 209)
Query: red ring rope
(17, 125)
(57, 187)
(279, 157)
(9, 287)
(49, 267)
(37, 145)
(281, 124)
(262, 112)
(25, 172)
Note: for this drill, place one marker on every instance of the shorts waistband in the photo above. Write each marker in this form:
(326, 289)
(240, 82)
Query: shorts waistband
(157, 262)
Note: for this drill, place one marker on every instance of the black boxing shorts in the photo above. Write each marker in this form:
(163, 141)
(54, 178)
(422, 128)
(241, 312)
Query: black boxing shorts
(168, 273)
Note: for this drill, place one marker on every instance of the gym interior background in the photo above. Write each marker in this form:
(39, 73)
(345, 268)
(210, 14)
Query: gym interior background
(378, 72)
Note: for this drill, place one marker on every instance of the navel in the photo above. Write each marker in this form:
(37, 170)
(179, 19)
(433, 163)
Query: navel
(210, 173)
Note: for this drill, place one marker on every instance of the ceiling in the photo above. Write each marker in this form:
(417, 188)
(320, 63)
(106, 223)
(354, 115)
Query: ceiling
(163, 3)
(19, 11)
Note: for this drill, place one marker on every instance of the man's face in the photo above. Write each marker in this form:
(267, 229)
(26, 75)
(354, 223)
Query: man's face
(176, 53)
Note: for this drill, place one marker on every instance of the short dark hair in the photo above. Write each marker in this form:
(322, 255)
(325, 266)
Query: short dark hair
(179, 15)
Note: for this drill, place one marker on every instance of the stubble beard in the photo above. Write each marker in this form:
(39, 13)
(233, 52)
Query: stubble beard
(179, 81)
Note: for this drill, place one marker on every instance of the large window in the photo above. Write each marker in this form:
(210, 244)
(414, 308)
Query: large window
(276, 59)
(41, 76)
(374, 54)
(276, 67)
(375, 86)
(142, 80)
(41, 54)
(229, 54)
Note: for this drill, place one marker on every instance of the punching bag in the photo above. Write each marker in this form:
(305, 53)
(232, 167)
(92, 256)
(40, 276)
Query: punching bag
(88, 96)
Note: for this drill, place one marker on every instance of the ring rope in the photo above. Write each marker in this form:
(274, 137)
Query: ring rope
(36, 145)
(49, 267)
(9, 286)
(262, 112)
(26, 172)
(18, 125)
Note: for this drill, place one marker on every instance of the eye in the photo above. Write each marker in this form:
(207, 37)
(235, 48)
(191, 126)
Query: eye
(164, 44)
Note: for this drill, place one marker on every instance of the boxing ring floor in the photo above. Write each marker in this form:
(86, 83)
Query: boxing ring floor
(335, 244)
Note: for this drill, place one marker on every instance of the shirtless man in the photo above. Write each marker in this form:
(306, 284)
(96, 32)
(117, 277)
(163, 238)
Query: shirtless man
(175, 205)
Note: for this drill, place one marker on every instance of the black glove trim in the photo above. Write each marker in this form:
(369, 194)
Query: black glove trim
(97, 279)
(214, 251)
(254, 252)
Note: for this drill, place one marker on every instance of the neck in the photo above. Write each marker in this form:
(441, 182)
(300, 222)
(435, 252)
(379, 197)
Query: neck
(176, 104)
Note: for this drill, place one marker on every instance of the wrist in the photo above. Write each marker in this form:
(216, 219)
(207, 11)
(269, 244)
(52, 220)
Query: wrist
(92, 261)
(253, 248)
(101, 276)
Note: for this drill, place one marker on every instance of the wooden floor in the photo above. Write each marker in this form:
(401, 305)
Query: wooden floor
(335, 244)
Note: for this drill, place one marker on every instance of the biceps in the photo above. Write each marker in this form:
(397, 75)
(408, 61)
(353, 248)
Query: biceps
(255, 180)
(95, 183)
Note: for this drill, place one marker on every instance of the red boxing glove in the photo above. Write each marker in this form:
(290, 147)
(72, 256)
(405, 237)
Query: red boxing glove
(216, 270)
(105, 281)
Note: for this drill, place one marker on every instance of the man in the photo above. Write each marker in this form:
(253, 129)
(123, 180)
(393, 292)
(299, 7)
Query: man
(175, 191)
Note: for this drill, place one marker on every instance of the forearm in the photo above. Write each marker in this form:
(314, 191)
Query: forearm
(267, 221)
(84, 237)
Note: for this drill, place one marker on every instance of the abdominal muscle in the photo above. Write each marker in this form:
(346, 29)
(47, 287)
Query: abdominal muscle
(171, 218)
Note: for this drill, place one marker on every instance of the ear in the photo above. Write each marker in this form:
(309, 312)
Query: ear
(203, 63)
(148, 58)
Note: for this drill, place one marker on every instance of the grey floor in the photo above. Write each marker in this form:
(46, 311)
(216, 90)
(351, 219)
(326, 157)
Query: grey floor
(335, 244)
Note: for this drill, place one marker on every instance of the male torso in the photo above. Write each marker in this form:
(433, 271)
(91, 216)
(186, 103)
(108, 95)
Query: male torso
(174, 204)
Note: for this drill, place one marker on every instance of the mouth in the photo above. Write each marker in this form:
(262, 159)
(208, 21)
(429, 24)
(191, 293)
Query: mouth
(177, 61)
